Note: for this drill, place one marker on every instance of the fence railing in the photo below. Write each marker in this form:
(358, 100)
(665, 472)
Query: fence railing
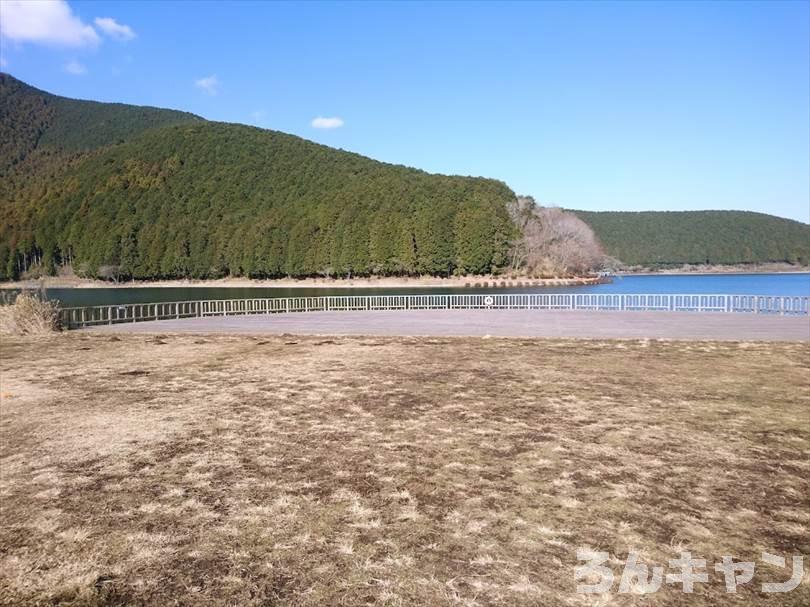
(752, 304)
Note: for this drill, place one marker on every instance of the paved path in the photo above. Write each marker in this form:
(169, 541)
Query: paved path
(504, 323)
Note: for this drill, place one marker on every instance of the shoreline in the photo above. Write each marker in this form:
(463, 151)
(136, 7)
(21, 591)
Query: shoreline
(55, 282)
(704, 269)
(712, 273)
(392, 282)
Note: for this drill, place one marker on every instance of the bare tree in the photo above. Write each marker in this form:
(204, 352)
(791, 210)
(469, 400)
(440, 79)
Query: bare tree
(521, 211)
(552, 241)
(110, 272)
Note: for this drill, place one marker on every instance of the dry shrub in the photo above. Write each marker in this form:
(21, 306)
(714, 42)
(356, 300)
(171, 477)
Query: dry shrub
(29, 315)
(553, 241)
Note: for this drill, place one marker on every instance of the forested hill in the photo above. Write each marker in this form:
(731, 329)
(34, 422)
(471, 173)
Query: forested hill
(147, 193)
(653, 238)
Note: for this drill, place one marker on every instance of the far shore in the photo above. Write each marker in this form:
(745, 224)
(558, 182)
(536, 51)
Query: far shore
(72, 282)
(703, 269)
(394, 282)
(709, 272)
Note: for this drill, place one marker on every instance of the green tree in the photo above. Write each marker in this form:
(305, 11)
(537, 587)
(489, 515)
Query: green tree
(130, 261)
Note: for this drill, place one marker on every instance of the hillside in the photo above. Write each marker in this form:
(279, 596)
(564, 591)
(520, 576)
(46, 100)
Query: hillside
(136, 192)
(31, 120)
(658, 238)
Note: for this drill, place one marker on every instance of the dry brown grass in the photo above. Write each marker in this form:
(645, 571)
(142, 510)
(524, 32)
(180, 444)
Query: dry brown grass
(29, 315)
(350, 471)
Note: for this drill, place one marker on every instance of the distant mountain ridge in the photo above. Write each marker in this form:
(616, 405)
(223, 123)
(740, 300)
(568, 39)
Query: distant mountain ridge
(667, 238)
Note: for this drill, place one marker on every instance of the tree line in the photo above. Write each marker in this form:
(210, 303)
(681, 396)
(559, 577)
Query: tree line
(666, 238)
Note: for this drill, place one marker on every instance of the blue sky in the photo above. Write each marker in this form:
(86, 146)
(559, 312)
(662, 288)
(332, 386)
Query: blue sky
(600, 106)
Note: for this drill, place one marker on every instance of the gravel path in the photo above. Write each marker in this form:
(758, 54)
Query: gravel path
(502, 323)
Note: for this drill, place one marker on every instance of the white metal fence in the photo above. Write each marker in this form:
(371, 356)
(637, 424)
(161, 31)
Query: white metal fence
(752, 304)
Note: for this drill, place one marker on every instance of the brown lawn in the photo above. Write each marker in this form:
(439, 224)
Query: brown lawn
(395, 471)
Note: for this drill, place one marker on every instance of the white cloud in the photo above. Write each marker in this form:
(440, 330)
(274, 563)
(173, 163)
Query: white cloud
(327, 123)
(113, 29)
(3, 62)
(49, 22)
(209, 84)
(75, 68)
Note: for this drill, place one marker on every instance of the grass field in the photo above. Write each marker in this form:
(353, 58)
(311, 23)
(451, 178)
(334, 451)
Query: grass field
(400, 471)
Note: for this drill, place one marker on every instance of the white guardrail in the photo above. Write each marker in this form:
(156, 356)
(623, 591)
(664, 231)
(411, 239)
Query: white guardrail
(752, 304)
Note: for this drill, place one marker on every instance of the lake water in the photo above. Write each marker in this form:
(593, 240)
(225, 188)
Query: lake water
(746, 284)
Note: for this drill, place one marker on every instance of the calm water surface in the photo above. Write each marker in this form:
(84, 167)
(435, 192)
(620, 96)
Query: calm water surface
(750, 284)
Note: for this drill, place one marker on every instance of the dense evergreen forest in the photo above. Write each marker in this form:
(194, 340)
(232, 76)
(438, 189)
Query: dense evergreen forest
(658, 238)
(119, 191)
